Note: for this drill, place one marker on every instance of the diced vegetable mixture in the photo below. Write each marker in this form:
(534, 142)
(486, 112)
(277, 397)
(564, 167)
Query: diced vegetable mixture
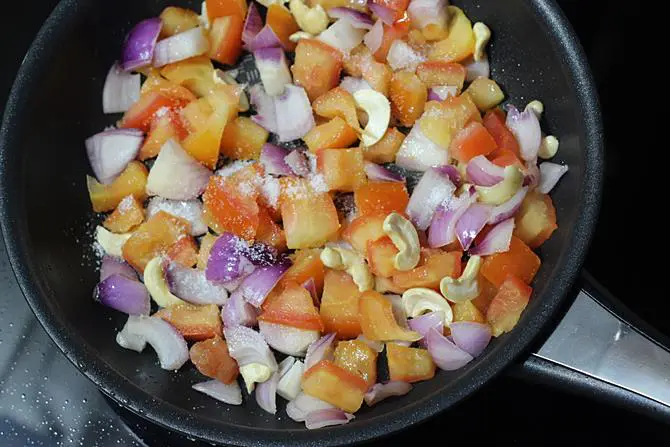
(273, 226)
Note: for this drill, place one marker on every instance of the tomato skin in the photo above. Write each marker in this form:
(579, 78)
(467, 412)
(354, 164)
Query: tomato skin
(381, 255)
(225, 39)
(335, 385)
(378, 321)
(494, 121)
(398, 30)
(508, 304)
(195, 323)
(471, 141)
(293, 307)
(227, 208)
(519, 261)
(339, 305)
(409, 364)
(317, 67)
(342, 169)
(363, 230)
(334, 134)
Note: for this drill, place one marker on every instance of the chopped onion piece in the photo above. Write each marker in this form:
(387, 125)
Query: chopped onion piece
(428, 12)
(228, 259)
(298, 163)
(294, 114)
(509, 208)
(419, 153)
(526, 128)
(446, 354)
(385, 14)
(286, 339)
(110, 152)
(253, 24)
(265, 109)
(176, 175)
(303, 405)
(424, 323)
(124, 294)
(237, 312)
(322, 349)
(189, 210)
(310, 286)
(497, 240)
(180, 47)
(266, 394)
(378, 346)
(325, 418)
(138, 49)
(471, 223)
(442, 92)
(551, 173)
(112, 265)
(227, 393)
(256, 287)
(342, 35)
(381, 391)
(168, 343)
(121, 90)
(380, 173)
(470, 336)
(290, 382)
(403, 57)
(433, 189)
(452, 173)
(358, 19)
(273, 69)
(273, 160)
(442, 227)
(192, 285)
(482, 172)
(248, 347)
(266, 38)
(373, 39)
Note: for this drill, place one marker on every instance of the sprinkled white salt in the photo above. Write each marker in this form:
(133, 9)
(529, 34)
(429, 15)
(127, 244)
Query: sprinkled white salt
(271, 189)
(318, 183)
(189, 210)
(233, 167)
(126, 204)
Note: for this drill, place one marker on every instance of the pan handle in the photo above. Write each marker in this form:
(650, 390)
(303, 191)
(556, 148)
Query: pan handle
(601, 349)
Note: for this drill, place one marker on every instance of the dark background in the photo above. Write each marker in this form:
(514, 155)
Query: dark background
(627, 54)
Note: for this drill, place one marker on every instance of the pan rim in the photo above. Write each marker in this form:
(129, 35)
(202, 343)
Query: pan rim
(169, 416)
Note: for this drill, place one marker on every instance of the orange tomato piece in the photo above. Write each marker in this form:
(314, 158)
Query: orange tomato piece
(438, 73)
(283, 24)
(196, 114)
(505, 157)
(467, 311)
(385, 150)
(212, 358)
(337, 103)
(381, 255)
(163, 128)
(408, 97)
(363, 230)
(486, 293)
(293, 307)
(269, 232)
(243, 139)
(519, 261)
(398, 30)
(195, 323)
(335, 385)
(141, 114)
(409, 364)
(443, 120)
(184, 252)
(126, 216)
(381, 198)
(310, 218)
(386, 285)
(225, 39)
(342, 169)
(317, 67)
(306, 264)
(535, 221)
(471, 141)
(177, 20)
(433, 266)
(508, 304)
(205, 247)
(460, 42)
(333, 134)
(494, 121)
(377, 319)
(231, 206)
(132, 181)
(339, 305)
(196, 74)
(154, 238)
(358, 358)
(223, 8)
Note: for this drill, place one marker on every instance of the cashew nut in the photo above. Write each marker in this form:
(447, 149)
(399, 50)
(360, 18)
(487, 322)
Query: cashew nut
(254, 373)
(405, 238)
(466, 287)
(339, 258)
(536, 107)
(419, 301)
(482, 37)
(112, 243)
(300, 35)
(154, 280)
(503, 191)
(312, 20)
(378, 110)
(549, 147)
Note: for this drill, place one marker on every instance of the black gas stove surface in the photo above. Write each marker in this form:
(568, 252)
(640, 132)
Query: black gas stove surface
(44, 400)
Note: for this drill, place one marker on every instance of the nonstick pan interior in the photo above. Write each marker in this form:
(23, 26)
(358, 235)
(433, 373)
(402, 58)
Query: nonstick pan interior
(48, 224)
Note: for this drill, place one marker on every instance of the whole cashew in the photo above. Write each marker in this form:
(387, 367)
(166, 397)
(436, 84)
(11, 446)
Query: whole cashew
(466, 287)
(405, 238)
(537, 107)
(312, 20)
(339, 258)
(419, 301)
(482, 37)
(112, 243)
(549, 147)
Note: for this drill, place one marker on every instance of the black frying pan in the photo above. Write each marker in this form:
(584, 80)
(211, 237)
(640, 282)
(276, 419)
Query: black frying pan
(47, 223)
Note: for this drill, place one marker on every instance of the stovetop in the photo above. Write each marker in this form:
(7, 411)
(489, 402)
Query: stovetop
(44, 400)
